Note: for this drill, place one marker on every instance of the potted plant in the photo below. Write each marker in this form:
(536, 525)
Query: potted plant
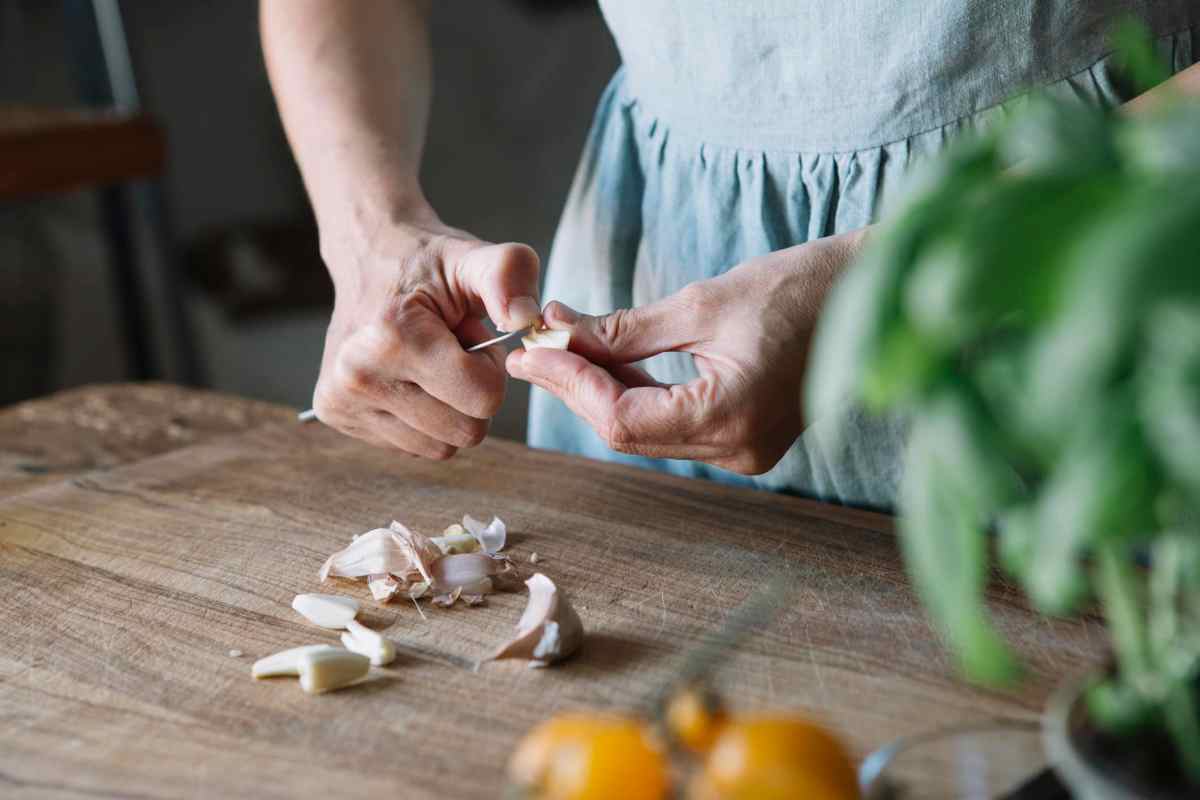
(1034, 309)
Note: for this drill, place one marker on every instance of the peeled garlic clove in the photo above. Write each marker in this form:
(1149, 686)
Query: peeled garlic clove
(286, 662)
(331, 668)
(549, 630)
(326, 610)
(491, 537)
(456, 543)
(383, 587)
(360, 639)
(546, 338)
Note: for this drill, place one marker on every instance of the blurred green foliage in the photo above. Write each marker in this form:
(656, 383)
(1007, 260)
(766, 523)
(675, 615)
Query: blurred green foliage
(1034, 308)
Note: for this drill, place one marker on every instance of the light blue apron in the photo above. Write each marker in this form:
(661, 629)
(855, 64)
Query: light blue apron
(738, 127)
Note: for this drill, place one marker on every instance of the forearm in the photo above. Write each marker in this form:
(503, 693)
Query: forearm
(352, 80)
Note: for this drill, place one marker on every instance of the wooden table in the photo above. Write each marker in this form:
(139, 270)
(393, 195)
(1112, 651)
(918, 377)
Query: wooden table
(147, 532)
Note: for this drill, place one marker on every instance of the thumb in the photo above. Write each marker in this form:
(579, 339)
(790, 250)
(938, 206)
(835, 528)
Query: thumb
(501, 280)
(625, 335)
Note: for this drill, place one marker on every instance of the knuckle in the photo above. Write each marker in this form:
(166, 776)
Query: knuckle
(353, 374)
(474, 434)
(442, 452)
(519, 259)
(613, 328)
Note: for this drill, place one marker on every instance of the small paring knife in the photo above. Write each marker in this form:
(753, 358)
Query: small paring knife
(311, 415)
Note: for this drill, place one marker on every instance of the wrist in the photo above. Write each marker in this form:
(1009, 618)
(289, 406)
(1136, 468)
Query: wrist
(353, 227)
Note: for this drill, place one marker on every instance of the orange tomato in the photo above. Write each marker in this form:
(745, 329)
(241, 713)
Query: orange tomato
(588, 756)
(694, 717)
(776, 757)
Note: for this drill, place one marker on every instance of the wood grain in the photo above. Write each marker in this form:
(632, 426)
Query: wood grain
(100, 427)
(125, 590)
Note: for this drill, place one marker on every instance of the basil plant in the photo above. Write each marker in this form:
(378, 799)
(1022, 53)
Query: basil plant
(1033, 308)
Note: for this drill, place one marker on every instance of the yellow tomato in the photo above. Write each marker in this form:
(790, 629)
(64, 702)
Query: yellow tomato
(774, 757)
(695, 717)
(590, 757)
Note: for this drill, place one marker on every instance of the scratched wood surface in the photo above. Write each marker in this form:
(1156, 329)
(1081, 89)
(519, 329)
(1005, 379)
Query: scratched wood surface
(101, 427)
(124, 591)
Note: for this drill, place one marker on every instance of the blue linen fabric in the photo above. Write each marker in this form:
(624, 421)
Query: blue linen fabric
(739, 127)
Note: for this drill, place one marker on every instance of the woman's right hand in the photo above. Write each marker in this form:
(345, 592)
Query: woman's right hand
(409, 299)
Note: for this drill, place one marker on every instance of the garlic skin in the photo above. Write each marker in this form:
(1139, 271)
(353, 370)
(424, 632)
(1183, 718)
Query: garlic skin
(393, 550)
(285, 662)
(326, 610)
(332, 668)
(360, 639)
(383, 587)
(547, 338)
(549, 630)
(491, 537)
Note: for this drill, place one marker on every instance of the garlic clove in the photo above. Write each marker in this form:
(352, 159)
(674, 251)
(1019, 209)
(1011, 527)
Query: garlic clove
(326, 610)
(331, 668)
(286, 662)
(549, 630)
(373, 553)
(456, 543)
(395, 550)
(547, 338)
(360, 639)
(468, 569)
(491, 537)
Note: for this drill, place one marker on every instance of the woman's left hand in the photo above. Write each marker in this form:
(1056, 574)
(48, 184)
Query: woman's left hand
(748, 331)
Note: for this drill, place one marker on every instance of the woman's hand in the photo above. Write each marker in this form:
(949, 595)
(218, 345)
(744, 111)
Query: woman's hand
(748, 332)
(353, 85)
(395, 372)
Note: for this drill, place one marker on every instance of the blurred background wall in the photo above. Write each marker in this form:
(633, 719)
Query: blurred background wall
(514, 94)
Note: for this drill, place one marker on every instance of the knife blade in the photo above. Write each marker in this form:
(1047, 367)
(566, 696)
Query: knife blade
(310, 415)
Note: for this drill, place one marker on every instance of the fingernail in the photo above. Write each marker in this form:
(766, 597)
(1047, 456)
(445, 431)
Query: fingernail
(565, 313)
(523, 312)
(513, 362)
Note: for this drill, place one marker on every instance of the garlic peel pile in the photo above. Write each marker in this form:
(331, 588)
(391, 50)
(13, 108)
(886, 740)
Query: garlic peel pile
(373, 553)
(360, 639)
(546, 338)
(326, 610)
(398, 562)
(549, 629)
